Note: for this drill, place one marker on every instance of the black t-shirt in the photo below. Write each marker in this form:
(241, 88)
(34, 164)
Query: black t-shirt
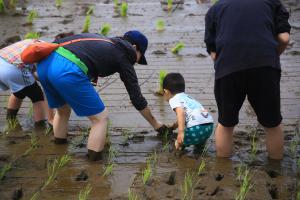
(243, 34)
(104, 59)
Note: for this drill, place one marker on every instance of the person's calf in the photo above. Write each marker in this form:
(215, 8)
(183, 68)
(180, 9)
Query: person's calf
(275, 142)
(224, 141)
(11, 113)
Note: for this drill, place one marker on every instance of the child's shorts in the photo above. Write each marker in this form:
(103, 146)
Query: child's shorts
(197, 134)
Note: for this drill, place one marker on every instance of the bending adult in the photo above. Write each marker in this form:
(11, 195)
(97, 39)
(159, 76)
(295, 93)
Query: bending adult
(245, 39)
(19, 79)
(66, 78)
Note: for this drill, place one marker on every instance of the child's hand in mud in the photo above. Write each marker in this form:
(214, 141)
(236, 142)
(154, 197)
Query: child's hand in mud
(179, 140)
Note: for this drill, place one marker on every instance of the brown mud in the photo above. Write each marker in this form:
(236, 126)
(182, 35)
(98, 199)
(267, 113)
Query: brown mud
(132, 139)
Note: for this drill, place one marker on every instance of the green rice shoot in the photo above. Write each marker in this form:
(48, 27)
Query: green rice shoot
(169, 5)
(12, 124)
(12, 4)
(201, 167)
(116, 4)
(124, 9)
(108, 169)
(87, 23)
(6, 168)
(178, 47)
(105, 29)
(85, 192)
(2, 6)
(146, 174)
(58, 3)
(187, 187)
(33, 145)
(90, 10)
(160, 25)
(245, 187)
(131, 195)
(32, 16)
(162, 76)
(32, 35)
(253, 147)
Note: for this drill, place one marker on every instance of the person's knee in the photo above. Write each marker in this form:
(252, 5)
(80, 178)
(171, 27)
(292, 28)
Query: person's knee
(99, 118)
(63, 111)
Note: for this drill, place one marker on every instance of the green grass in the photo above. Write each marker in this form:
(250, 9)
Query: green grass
(85, 192)
(162, 75)
(105, 29)
(90, 11)
(160, 25)
(58, 3)
(124, 9)
(32, 35)
(131, 195)
(178, 47)
(108, 169)
(245, 187)
(188, 186)
(32, 16)
(2, 6)
(146, 174)
(86, 25)
(169, 5)
(6, 168)
(201, 167)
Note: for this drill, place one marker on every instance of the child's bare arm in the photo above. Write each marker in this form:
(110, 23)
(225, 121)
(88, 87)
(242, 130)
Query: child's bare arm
(181, 125)
(283, 41)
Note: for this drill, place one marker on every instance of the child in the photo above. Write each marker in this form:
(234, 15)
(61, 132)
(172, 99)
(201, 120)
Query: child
(194, 123)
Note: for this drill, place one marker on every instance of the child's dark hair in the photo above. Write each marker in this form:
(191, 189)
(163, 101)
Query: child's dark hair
(174, 82)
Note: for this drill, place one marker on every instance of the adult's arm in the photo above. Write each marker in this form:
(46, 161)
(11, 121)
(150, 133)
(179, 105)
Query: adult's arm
(282, 26)
(130, 80)
(210, 31)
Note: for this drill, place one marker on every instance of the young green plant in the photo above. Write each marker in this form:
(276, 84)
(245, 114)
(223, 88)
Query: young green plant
(85, 192)
(146, 174)
(160, 25)
(124, 9)
(2, 6)
(6, 168)
(188, 186)
(169, 5)
(178, 47)
(108, 169)
(162, 76)
(33, 145)
(105, 29)
(245, 187)
(116, 5)
(87, 23)
(201, 167)
(131, 195)
(253, 147)
(32, 35)
(90, 10)
(12, 124)
(12, 4)
(32, 16)
(58, 3)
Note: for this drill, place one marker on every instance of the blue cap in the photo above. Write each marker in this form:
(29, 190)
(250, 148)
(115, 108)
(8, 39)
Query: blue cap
(141, 41)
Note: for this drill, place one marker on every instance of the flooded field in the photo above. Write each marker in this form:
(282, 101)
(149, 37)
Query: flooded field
(137, 161)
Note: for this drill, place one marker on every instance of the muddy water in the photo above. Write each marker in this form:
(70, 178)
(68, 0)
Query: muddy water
(218, 180)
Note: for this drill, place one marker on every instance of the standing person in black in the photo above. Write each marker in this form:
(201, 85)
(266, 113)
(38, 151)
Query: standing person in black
(66, 76)
(245, 39)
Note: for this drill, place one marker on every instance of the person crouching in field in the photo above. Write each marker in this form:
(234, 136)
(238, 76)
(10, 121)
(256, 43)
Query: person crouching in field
(20, 79)
(194, 123)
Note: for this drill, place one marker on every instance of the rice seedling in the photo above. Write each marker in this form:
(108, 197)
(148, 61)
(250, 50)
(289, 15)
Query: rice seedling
(2, 6)
(105, 29)
(293, 148)
(12, 124)
(160, 25)
(245, 187)
(112, 153)
(178, 47)
(124, 9)
(169, 5)
(6, 168)
(188, 185)
(201, 167)
(253, 147)
(58, 3)
(36, 195)
(90, 10)
(146, 174)
(32, 16)
(131, 195)
(48, 130)
(12, 4)
(240, 172)
(162, 75)
(32, 35)
(85, 192)
(116, 4)
(87, 23)
(33, 145)
(153, 158)
(108, 169)
(165, 147)
(30, 112)
(54, 167)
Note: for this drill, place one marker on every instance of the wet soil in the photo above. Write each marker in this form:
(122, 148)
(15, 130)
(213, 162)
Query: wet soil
(131, 137)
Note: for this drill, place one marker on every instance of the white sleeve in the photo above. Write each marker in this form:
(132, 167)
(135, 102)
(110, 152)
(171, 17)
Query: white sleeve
(175, 103)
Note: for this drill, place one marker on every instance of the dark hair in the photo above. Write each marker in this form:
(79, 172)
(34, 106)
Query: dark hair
(63, 35)
(174, 82)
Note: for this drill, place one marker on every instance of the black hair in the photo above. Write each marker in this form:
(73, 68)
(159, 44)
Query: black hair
(63, 35)
(174, 82)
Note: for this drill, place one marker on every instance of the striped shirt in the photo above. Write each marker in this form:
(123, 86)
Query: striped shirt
(12, 53)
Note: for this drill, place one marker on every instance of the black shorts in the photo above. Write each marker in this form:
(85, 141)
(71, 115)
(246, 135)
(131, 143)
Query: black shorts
(33, 92)
(262, 88)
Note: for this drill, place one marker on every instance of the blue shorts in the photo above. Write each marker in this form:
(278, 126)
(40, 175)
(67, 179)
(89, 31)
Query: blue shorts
(65, 83)
(197, 135)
